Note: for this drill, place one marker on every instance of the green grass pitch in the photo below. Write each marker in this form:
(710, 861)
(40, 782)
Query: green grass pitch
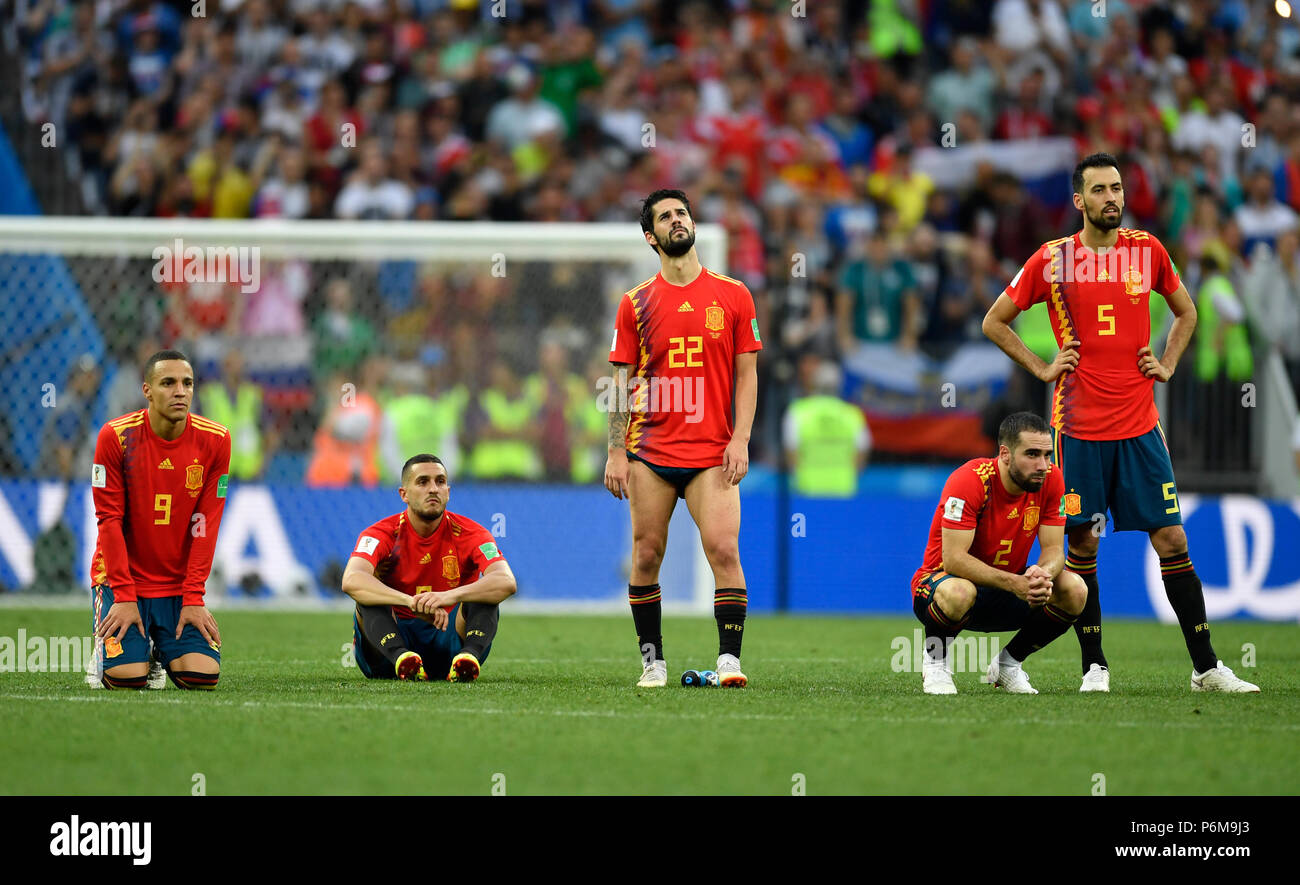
(557, 712)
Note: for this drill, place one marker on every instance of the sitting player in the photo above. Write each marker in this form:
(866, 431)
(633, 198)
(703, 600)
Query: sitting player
(417, 572)
(974, 574)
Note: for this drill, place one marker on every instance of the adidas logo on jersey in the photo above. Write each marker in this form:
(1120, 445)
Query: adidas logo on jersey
(427, 559)
(686, 308)
(1015, 511)
(166, 464)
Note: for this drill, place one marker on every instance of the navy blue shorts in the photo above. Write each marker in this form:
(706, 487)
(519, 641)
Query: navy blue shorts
(995, 610)
(160, 617)
(1131, 478)
(678, 477)
(435, 647)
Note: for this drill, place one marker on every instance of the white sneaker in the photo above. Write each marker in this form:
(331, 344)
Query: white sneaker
(1096, 679)
(729, 675)
(1009, 676)
(157, 674)
(1221, 679)
(936, 678)
(655, 675)
(95, 666)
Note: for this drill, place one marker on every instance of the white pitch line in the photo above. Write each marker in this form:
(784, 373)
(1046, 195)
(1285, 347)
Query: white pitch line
(647, 714)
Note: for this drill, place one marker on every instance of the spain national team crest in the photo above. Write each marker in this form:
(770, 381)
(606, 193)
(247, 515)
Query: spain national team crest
(1073, 504)
(451, 568)
(1030, 520)
(194, 477)
(112, 647)
(1133, 287)
(713, 319)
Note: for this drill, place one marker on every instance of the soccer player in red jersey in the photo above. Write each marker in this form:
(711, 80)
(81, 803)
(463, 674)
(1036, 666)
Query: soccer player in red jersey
(974, 575)
(159, 482)
(1109, 442)
(417, 572)
(691, 338)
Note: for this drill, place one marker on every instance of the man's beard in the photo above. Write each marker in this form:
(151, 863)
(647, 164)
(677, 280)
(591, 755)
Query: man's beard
(1028, 483)
(677, 248)
(1101, 222)
(432, 512)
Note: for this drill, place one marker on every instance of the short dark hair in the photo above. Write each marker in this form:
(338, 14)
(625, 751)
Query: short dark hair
(1092, 161)
(158, 358)
(1017, 423)
(419, 459)
(665, 193)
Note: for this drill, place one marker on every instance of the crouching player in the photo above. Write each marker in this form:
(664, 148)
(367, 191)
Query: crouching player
(974, 574)
(427, 583)
(159, 482)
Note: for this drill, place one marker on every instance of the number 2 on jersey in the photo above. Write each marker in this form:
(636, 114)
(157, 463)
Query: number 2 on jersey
(1004, 550)
(688, 347)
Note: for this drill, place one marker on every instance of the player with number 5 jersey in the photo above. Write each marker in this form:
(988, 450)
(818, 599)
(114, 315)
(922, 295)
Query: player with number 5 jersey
(1108, 441)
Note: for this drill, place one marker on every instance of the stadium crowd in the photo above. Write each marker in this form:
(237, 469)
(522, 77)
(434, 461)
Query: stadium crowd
(800, 127)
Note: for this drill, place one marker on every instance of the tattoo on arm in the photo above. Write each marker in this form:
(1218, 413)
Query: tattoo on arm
(619, 414)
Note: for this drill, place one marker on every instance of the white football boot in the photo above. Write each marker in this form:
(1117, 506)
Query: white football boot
(936, 678)
(729, 675)
(1009, 676)
(655, 675)
(157, 672)
(1096, 679)
(1221, 679)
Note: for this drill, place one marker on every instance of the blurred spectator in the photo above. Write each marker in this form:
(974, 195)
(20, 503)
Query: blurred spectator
(286, 193)
(1027, 118)
(345, 450)
(1218, 125)
(326, 131)
(878, 314)
(963, 86)
(1286, 176)
(371, 194)
(506, 445)
(1262, 217)
(569, 71)
(1222, 340)
(565, 418)
(416, 421)
(125, 389)
(221, 188)
(1271, 291)
(342, 336)
(69, 431)
(236, 402)
(524, 115)
(904, 188)
(826, 439)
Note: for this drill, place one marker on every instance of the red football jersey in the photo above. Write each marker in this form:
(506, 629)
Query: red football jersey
(682, 342)
(1005, 525)
(456, 553)
(1101, 302)
(149, 496)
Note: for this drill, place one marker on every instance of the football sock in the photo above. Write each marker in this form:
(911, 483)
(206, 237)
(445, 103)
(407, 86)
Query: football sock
(647, 617)
(939, 628)
(125, 681)
(379, 627)
(729, 607)
(1041, 627)
(1183, 589)
(1088, 625)
(481, 619)
(192, 680)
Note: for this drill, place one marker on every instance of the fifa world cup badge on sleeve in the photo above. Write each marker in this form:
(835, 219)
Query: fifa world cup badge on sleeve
(98, 476)
(367, 545)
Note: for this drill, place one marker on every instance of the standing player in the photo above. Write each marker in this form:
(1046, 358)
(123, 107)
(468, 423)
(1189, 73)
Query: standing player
(450, 565)
(159, 484)
(1109, 442)
(974, 575)
(693, 339)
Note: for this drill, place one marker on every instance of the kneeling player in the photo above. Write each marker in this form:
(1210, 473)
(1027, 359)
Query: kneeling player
(974, 575)
(418, 572)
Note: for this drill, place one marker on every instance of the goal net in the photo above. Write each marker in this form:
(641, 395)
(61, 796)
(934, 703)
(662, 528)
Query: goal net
(333, 350)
